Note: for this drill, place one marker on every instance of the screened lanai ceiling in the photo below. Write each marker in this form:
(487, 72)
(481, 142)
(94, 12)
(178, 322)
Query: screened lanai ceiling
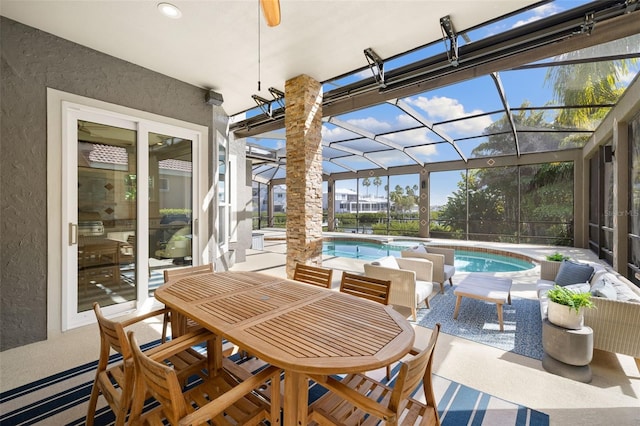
(450, 111)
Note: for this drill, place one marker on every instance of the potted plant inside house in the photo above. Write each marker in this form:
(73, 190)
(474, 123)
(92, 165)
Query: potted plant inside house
(551, 264)
(566, 306)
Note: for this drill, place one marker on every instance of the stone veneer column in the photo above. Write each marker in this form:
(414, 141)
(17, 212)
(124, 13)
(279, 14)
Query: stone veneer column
(303, 122)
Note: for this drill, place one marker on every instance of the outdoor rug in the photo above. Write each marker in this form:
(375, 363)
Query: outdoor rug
(62, 399)
(478, 321)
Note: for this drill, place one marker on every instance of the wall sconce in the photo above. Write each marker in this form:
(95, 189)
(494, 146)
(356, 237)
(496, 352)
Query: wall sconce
(423, 184)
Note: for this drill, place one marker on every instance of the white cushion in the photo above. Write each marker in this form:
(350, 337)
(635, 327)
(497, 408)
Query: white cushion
(423, 290)
(420, 249)
(449, 271)
(604, 288)
(387, 262)
(623, 292)
(579, 287)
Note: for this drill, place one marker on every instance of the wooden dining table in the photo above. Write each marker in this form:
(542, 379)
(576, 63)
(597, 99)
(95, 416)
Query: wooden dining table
(300, 328)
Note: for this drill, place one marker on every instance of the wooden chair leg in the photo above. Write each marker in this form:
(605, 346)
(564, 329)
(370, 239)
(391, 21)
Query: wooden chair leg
(93, 401)
(165, 322)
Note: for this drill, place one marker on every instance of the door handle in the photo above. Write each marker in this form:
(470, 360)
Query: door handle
(194, 229)
(73, 233)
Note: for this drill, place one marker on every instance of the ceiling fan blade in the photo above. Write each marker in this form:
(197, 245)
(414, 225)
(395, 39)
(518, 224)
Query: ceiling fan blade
(271, 11)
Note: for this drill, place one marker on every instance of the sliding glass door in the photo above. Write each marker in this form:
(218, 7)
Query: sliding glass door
(130, 209)
(170, 206)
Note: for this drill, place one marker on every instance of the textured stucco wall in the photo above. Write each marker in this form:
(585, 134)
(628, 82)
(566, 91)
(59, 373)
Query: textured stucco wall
(33, 60)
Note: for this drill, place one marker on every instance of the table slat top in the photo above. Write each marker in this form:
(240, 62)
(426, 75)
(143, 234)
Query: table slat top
(290, 324)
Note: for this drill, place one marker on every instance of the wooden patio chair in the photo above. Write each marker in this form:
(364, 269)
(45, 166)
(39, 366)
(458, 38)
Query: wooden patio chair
(315, 275)
(173, 274)
(374, 289)
(366, 287)
(359, 400)
(115, 382)
(218, 397)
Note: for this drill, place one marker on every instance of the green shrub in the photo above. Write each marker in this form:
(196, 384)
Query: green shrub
(557, 257)
(572, 299)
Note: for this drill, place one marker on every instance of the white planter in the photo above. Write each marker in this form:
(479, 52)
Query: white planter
(563, 316)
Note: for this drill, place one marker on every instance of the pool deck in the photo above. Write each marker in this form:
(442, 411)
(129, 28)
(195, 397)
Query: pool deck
(612, 397)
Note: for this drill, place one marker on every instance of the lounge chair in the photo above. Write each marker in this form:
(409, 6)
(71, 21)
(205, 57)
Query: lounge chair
(411, 280)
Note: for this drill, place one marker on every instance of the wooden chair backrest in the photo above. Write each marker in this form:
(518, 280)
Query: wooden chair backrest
(366, 287)
(161, 381)
(414, 370)
(315, 275)
(112, 335)
(172, 274)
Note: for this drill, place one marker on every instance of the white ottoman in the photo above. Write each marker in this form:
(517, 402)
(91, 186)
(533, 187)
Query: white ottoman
(484, 287)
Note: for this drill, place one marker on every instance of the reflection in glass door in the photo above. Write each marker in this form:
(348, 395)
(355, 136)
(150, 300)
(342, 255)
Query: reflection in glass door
(129, 191)
(170, 205)
(106, 200)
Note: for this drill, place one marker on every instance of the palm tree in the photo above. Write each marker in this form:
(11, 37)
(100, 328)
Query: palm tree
(587, 84)
(366, 183)
(377, 182)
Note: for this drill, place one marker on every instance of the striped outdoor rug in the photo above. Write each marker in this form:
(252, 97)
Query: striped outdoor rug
(61, 399)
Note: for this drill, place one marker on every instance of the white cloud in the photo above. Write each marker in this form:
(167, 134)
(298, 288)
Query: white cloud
(539, 13)
(440, 108)
(335, 134)
(371, 124)
(406, 120)
(425, 151)
(526, 21)
(412, 137)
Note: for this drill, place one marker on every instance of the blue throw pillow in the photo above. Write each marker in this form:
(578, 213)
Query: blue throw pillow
(573, 273)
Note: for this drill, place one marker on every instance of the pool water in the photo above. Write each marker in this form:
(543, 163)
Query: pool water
(465, 261)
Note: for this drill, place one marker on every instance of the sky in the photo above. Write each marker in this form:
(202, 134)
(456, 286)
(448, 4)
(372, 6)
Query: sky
(469, 98)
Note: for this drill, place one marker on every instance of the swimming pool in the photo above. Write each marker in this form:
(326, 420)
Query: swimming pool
(465, 261)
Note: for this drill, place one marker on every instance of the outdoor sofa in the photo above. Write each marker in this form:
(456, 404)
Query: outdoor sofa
(615, 320)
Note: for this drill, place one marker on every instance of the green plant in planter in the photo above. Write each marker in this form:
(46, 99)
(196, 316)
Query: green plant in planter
(557, 257)
(570, 298)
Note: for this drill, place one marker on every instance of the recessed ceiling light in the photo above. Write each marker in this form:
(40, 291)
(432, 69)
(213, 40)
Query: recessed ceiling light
(169, 10)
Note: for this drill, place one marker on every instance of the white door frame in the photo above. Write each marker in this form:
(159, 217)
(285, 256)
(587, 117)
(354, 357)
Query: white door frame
(64, 108)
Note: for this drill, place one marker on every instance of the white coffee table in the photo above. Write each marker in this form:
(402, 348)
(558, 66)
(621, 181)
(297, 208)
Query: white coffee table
(484, 287)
